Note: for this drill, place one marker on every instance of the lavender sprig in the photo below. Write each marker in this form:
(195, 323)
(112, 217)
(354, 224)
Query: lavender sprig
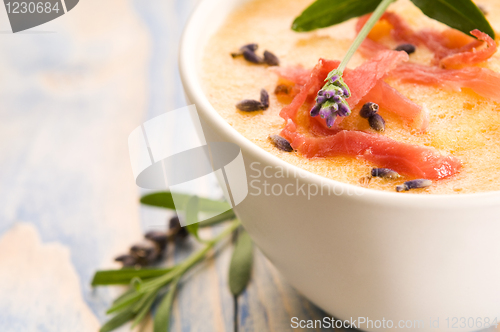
(331, 99)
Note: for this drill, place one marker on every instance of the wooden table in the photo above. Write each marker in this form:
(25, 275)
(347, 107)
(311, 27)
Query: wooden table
(71, 91)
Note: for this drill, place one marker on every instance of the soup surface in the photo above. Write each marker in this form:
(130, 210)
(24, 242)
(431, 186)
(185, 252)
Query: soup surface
(462, 124)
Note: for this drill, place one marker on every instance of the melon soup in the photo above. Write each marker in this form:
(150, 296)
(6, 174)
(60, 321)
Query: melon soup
(462, 122)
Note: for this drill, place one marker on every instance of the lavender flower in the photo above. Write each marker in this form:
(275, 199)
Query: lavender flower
(331, 100)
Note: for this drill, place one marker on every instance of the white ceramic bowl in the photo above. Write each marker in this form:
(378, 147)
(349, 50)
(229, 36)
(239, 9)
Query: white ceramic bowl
(373, 254)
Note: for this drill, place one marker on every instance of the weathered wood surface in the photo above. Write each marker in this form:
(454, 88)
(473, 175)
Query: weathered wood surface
(70, 93)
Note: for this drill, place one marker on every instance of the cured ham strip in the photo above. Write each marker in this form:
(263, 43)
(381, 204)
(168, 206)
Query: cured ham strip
(411, 160)
(472, 57)
(392, 101)
(365, 84)
(483, 81)
(310, 137)
(310, 88)
(297, 74)
(451, 48)
(364, 78)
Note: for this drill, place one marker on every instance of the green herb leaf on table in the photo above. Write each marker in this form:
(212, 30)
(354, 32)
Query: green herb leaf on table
(118, 320)
(125, 302)
(136, 302)
(125, 276)
(124, 295)
(143, 301)
(240, 268)
(162, 315)
(164, 199)
(143, 309)
(192, 216)
(228, 215)
(462, 15)
(325, 13)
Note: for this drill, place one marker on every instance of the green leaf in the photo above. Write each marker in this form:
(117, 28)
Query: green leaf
(143, 308)
(228, 215)
(125, 276)
(162, 315)
(240, 268)
(125, 302)
(164, 200)
(325, 13)
(462, 15)
(144, 300)
(135, 283)
(192, 216)
(124, 295)
(118, 320)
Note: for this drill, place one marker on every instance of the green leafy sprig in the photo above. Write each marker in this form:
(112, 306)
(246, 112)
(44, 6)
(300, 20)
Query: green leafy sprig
(462, 15)
(148, 284)
(240, 268)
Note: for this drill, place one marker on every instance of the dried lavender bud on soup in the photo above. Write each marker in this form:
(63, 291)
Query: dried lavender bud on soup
(377, 122)
(264, 98)
(271, 59)
(414, 184)
(408, 48)
(250, 105)
(281, 143)
(385, 173)
(368, 110)
(250, 56)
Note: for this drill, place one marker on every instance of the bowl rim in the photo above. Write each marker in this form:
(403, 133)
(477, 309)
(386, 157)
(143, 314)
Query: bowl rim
(191, 82)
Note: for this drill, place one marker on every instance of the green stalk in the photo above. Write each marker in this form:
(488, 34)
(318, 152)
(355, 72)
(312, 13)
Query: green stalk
(189, 262)
(135, 303)
(379, 11)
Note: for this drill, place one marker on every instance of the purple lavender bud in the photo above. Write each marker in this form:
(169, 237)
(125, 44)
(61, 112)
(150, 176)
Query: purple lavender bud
(344, 110)
(385, 173)
(264, 98)
(330, 94)
(330, 120)
(337, 99)
(346, 92)
(126, 260)
(321, 92)
(271, 59)
(414, 184)
(408, 48)
(417, 184)
(315, 110)
(250, 56)
(250, 105)
(334, 78)
(251, 47)
(377, 122)
(368, 110)
(160, 238)
(321, 99)
(325, 111)
(281, 143)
